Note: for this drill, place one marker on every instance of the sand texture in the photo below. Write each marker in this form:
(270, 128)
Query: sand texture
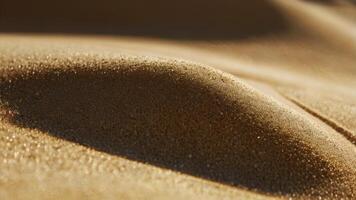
(257, 103)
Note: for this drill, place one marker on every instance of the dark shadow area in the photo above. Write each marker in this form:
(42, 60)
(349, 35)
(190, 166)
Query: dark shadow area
(183, 19)
(166, 120)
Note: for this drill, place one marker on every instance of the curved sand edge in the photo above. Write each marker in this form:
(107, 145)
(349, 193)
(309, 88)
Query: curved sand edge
(180, 116)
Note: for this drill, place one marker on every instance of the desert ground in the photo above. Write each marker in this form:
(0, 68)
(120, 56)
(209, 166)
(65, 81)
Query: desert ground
(178, 99)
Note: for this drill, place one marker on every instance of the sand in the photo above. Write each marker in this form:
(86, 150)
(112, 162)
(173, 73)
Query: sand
(188, 108)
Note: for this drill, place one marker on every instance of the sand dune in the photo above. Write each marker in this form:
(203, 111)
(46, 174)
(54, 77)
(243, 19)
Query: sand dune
(175, 115)
(199, 19)
(229, 100)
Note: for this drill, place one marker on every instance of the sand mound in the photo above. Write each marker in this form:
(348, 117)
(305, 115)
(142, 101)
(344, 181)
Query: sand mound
(179, 116)
(89, 117)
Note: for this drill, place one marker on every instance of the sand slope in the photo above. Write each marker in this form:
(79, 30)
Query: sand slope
(227, 110)
(174, 115)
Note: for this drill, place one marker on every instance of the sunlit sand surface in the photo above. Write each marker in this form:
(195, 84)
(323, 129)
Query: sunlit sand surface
(258, 103)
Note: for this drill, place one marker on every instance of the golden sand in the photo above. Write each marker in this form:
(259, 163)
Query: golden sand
(202, 117)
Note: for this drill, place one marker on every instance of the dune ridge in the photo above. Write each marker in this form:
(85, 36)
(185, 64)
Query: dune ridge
(339, 128)
(180, 116)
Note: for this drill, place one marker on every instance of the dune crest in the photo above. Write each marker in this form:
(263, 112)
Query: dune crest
(179, 116)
